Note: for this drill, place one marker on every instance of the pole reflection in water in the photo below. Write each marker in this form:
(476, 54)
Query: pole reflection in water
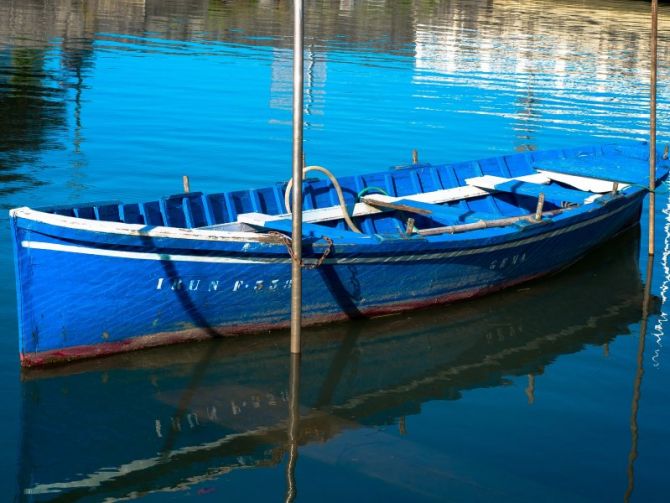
(182, 418)
(637, 385)
(293, 426)
(530, 390)
(659, 327)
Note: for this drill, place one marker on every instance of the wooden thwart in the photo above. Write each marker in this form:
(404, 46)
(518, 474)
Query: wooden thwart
(398, 206)
(529, 188)
(490, 182)
(488, 224)
(437, 212)
(587, 184)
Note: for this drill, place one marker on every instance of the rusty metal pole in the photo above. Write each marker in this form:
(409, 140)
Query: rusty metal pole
(652, 124)
(296, 266)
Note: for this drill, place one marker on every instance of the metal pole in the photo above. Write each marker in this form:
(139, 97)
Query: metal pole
(296, 266)
(652, 124)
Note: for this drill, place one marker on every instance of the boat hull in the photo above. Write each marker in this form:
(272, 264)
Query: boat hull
(87, 292)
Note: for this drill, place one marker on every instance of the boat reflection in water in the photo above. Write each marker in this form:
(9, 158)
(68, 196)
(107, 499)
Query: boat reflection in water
(171, 418)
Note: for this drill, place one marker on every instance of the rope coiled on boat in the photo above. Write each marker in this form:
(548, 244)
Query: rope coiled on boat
(338, 190)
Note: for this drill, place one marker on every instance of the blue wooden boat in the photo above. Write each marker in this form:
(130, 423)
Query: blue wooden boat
(102, 278)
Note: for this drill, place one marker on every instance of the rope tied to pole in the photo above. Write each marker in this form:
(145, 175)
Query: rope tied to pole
(288, 242)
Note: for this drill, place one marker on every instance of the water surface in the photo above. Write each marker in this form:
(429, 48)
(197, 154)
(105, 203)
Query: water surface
(539, 393)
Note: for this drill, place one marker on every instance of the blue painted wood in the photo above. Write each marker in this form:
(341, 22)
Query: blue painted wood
(152, 213)
(87, 290)
(130, 214)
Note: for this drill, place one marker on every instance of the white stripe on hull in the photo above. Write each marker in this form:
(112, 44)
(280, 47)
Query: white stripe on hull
(165, 257)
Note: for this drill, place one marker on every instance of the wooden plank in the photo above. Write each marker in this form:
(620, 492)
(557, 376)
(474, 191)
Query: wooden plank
(488, 224)
(438, 212)
(489, 182)
(588, 184)
(399, 205)
(333, 213)
(448, 195)
(522, 187)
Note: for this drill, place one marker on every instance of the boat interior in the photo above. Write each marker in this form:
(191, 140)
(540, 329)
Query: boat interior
(414, 199)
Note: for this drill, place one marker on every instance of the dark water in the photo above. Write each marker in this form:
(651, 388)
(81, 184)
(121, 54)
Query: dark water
(555, 391)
